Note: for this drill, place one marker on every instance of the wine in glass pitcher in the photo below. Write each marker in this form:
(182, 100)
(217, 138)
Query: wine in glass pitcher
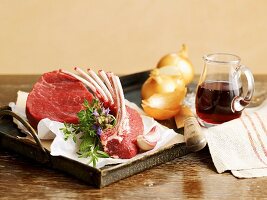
(219, 96)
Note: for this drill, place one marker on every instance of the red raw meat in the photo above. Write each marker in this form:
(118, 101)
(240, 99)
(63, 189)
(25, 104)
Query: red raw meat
(57, 96)
(127, 148)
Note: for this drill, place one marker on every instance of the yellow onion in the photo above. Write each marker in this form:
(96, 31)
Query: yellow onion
(181, 61)
(159, 113)
(170, 100)
(164, 106)
(157, 83)
(175, 73)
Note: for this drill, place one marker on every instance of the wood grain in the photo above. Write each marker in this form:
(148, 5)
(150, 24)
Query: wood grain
(191, 176)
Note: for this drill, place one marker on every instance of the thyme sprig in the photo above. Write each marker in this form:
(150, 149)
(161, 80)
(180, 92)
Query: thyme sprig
(93, 120)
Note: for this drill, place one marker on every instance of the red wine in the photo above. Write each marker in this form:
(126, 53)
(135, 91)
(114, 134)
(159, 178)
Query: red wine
(213, 101)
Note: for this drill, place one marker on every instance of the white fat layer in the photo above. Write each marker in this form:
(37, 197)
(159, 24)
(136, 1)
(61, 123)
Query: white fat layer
(115, 156)
(125, 124)
(115, 137)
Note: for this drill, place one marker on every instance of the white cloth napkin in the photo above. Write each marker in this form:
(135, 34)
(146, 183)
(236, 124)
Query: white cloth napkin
(240, 145)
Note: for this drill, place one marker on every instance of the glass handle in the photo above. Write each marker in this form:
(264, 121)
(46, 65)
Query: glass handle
(239, 103)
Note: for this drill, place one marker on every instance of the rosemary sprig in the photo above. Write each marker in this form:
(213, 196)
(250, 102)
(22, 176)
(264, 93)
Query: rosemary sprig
(93, 120)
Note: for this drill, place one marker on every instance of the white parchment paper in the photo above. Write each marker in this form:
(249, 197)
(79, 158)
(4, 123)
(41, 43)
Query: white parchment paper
(50, 130)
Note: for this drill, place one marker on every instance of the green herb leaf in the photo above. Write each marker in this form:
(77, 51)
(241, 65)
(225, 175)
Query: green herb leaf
(92, 121)
(102, 154)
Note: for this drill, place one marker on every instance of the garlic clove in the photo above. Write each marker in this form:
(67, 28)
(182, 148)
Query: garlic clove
(153, 135)
(143, 144)
(148, 141)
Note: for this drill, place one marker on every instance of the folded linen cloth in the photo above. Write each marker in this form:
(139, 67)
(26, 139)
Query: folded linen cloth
(240, 145)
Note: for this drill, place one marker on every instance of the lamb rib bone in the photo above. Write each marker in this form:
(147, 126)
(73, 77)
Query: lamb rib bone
(118, 103)
(93, 82)
(85, 82)
(102, 85)
(124, 124)
(106, 80)
(122, 121)
(109, 76)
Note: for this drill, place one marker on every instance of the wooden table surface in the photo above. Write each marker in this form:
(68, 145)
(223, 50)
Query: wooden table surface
(191, 176)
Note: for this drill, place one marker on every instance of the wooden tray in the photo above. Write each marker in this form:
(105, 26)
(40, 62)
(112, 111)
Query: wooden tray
(13, 139)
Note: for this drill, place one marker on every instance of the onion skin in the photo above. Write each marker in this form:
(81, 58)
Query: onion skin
(181, 61)
(164, 106)
(158, 84)
(169, 59)
(185, 66)
(169, 101)
(159, 113)
(163, 92)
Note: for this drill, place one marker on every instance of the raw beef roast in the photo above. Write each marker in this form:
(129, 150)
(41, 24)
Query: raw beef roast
(57, 96)
(124, 145)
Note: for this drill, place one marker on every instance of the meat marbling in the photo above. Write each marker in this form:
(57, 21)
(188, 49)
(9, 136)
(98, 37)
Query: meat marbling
(57, 96)
(124, 145)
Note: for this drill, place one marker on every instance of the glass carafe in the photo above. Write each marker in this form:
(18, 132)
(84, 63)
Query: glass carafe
(220, 96)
